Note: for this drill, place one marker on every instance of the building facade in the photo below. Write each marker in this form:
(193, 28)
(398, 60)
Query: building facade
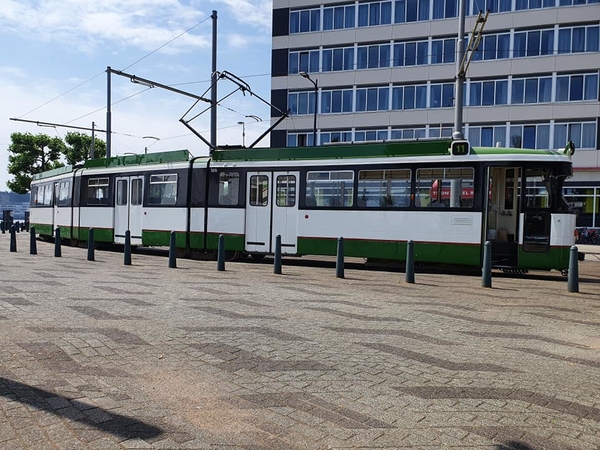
(385, 70)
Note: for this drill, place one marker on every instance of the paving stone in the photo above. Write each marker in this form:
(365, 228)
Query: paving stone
(145, 357)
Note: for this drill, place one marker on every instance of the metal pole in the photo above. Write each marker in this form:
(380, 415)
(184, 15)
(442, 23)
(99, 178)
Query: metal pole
(410, 262)
(460, 74)
(573, 278)
(32, 242)
(57, 242)
(92, 150)
(90, 248)
(172, 251)
(221, 254)
(127, 250)
(213, 91)
(108, 114)
(486, 277)
(277, 261)
(339, 263)
(316, 109)
(13, 239)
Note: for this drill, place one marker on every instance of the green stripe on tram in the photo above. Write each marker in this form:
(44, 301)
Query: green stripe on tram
(393, 250)
(233, 242)
(555, 258)
(156, 238)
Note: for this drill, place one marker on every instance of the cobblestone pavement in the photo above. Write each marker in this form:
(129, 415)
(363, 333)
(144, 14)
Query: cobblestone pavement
(98, 355)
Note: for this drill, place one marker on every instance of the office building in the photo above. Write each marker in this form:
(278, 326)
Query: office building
(385, 70)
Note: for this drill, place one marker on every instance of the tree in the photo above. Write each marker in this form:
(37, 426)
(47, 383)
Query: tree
(30, 155)
(79, 146)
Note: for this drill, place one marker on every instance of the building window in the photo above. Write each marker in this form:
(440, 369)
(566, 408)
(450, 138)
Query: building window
(579, 39)
(577, 87)
(583, 135)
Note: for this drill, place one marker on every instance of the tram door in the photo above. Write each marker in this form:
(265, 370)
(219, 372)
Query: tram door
(129, 209)
(271, 209)
(502, 219)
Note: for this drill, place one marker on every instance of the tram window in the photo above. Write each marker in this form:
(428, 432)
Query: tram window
(43, 195)
(259, 190)
(286, 190)
(384, 188)
(163, 190)
(539, 187)
(64, 193)
(229, 188)
(445, 188)
(97, 191)
(122, 192)
(136, 191)
(326, 189)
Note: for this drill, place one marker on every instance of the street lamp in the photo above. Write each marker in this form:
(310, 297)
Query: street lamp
(243, 124)
(315, 84)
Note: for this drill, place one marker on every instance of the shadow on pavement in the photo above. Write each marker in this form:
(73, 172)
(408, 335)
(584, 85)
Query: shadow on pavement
(513, 445)
(115, 424)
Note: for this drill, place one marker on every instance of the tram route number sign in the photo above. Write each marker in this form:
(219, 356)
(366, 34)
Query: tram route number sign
(459, 148)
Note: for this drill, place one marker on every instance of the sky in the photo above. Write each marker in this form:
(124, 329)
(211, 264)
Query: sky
(55, 54)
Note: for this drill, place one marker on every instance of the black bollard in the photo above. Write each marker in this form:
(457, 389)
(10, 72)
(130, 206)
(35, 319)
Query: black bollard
(32, 242)
(339, 261)
(172, 252)
(90, 245)
(221, 254)
(127, 250)
(573, 278)
(486, 276)
(277, 260)
(410, 262)
(17, 227)
(57, 242)
(2, 227)
(13, 239)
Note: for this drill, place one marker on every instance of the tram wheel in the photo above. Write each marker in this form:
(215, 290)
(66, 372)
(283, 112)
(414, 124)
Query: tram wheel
(231, 256)
(564, 272)
(257, 256)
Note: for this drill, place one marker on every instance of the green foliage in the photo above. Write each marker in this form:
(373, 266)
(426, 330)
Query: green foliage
(79, 145)
(30, 155)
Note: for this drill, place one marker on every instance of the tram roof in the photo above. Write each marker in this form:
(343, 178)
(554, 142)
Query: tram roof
(424, 148)
(138, 160)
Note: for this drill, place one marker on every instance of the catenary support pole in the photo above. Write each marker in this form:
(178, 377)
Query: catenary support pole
(486, 273)
(573, 278)
(410, 262)
(277, 260)
(108, 114)
(213, 78)
(339, 262)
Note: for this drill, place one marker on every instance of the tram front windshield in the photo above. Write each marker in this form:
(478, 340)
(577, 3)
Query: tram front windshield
(544, 188)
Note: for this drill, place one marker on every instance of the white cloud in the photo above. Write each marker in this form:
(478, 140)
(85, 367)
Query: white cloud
(12, 71)
(90, 24)
(252, 12)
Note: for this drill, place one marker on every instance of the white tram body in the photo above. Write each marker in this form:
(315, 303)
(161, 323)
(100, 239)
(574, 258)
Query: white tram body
(447, 198)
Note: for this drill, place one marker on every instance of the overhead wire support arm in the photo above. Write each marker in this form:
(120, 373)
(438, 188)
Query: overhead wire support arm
(50, 124)
(152, 84)
(473, 42)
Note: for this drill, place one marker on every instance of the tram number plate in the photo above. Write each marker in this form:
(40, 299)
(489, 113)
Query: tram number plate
(459, 148)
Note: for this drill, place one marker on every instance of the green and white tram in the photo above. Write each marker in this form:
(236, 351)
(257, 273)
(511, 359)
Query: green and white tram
(446, 197)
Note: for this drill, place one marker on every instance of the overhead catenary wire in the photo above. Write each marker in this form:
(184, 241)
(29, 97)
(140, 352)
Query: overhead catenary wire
(101, 73)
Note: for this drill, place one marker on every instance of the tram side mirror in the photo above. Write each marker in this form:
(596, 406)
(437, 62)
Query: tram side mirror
(459, 148)
(569, 149)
